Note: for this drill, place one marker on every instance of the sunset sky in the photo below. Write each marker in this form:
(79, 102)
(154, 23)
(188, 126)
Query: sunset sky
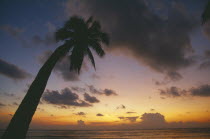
(156, 71)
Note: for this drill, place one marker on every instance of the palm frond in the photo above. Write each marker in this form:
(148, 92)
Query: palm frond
(104, 38)
(206, 13)
(90, 20)
(91, 58)
(76, 59)
(95, 26)
(97, 47)
(62, 34)
(82, 35)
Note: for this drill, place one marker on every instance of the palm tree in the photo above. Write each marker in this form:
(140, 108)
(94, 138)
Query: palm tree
(206, 13)
(78, 37)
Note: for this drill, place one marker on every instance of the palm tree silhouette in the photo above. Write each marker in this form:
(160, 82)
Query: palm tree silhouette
(78, 37)
(206, 14)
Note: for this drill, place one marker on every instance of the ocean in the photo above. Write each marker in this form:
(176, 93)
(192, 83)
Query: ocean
(196, 133)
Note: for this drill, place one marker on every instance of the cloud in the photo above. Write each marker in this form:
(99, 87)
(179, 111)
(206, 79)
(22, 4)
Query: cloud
(109, 92)
(206, 62)
(172, 92)
(201, 91)
(130, 112)
(99, 114)
(1, 104)
(15, 103)
(63, 107)
(131, 119)
(48, 39)
(64, 97)
(170, 76)
(80, 123)
(80, 113)
(152, 109)
(174, 76)
(12, 71)
(7, 94)
(90, 99)
(62, 67)
(106, 92)
(78, 89)
(153, 120)
(93, 90)
(207, 53)
(161, 44)
(15, 32)
(121, 107)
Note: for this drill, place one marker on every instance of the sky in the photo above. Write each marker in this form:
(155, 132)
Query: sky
(155, 74)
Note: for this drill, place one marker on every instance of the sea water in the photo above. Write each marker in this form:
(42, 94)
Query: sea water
(196, 133)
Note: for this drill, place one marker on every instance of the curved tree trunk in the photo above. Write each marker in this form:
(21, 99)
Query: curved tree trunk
(19, 123)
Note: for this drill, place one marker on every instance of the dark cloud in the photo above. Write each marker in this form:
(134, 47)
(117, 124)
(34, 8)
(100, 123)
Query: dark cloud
(172, 92)
(62, 67)
(63, 107)
(206, 62)
(131, 119)
(109, 92)
(13, 31)
(106, 92)
(78, 89)
(47, 40)
(121, 107)
(40, 109)
(7, 94)
(12, 71)
(161, 44)
(15, 103)
(64, 97)
(80, 123)
(174, 76)
(121, 118)
(164, 82)
(99, 114)
(90, 99)
(202, 91)
(1, 104)
(93, 90)
(130, 112)
(152, 109)
(153, 120)
(80, 113)
(170, 76)
(207, 53)
(16, 33)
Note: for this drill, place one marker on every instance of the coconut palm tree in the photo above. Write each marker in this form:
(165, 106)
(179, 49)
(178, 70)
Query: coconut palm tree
(79, 37)
(206, 13)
